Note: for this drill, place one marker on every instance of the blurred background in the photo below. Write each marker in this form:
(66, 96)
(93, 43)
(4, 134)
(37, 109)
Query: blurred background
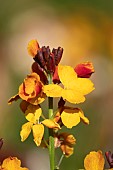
(85, 30)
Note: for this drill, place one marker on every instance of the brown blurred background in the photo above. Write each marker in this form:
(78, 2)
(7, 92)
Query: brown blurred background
(85, 30)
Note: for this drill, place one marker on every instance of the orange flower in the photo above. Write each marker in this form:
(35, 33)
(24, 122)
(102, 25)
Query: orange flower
(12, 163)
(94, 161)
(30, 90)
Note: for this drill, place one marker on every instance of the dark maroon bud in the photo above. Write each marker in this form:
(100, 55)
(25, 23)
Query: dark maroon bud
(59, 55)
(54, 51)
(1, 142)
(109, 157)
(46, 53)
(61, 103)
(51, 64)
(39, 59)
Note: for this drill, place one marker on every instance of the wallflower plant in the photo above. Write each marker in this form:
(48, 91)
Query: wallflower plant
(48, 79)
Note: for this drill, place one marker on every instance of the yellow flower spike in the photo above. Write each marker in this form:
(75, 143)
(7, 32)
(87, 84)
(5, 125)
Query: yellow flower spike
(33, 47)
(25, 131)
(12, 163)
(33, 113)
(38, 132)
(51, 123)
(94, 161)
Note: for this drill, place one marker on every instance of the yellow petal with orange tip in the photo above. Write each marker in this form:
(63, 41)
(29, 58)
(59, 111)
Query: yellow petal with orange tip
(12, 163)
(51, 123)
(33, 47)
(38, 132)
(52, 90)
(94, 161)
(25, 131)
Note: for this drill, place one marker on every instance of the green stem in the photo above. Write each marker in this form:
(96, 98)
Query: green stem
(51, 133)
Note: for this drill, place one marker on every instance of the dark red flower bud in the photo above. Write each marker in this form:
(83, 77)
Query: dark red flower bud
(58, 54)
(109, 158)
(51, 64)
(40, 59)
(37, 69)
(84, 70)
(46, 53)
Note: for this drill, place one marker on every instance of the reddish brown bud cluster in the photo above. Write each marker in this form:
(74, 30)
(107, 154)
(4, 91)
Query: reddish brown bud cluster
(48, 60)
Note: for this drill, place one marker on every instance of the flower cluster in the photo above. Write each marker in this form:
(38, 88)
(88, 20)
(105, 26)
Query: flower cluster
(49, 79)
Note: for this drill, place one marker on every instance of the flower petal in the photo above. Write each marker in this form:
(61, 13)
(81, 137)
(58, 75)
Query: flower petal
(26, 129)
(72, 96)
(52, 90)
(83, 118)
(67, 150)
(94, 161)
(70, 117)
(12, 163)
(14, 98)
(66, 75)
(38, 132)
(51, 123)
(33, 113)
(82, 85)
(33, 47)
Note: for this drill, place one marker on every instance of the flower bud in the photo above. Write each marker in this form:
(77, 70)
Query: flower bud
(84, 70)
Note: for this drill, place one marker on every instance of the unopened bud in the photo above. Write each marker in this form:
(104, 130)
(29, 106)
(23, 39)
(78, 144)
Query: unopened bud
(84, 70)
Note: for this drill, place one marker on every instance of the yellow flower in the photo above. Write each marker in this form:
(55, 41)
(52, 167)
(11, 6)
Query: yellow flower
(75, 88)
(32, 114)
(71, 116)
(12, 163)
(94, 161)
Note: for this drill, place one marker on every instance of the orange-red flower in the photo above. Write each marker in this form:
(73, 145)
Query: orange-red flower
(84, 70)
